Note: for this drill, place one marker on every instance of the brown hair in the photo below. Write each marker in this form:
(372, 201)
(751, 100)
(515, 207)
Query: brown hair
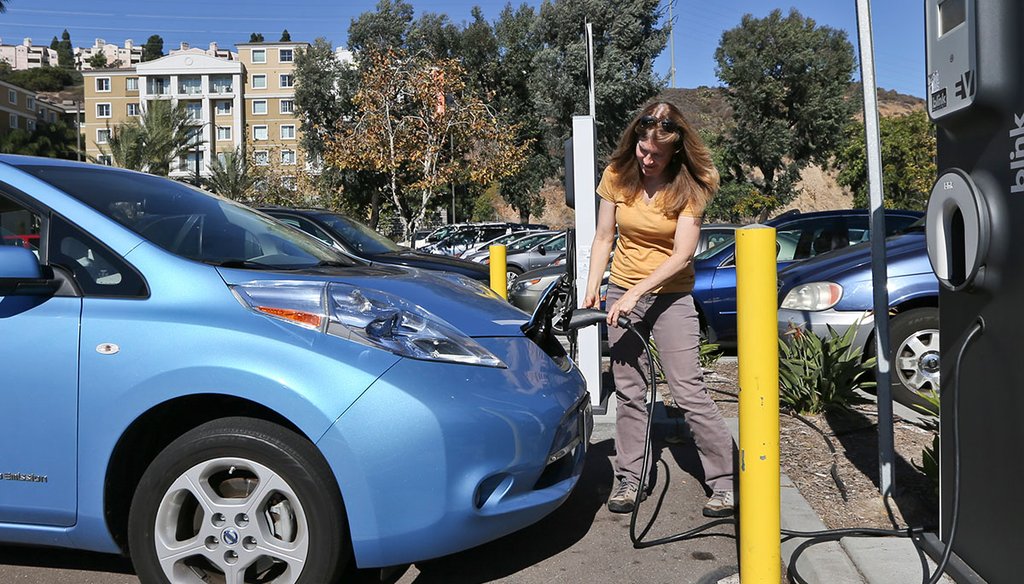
(692, 177)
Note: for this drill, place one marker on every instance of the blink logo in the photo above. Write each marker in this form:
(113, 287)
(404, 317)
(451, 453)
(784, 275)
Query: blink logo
(1017, 154)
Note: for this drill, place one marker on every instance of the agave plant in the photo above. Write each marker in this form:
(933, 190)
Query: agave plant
(818, 375)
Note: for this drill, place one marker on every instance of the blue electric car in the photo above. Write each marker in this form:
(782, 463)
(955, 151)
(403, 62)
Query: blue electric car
(227, 399)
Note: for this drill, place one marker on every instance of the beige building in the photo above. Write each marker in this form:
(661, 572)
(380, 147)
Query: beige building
(27, 56)
(124, 57)
(245, 100)
(22, 109)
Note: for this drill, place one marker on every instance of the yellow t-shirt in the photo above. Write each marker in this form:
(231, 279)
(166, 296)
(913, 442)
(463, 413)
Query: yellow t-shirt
(646, 239)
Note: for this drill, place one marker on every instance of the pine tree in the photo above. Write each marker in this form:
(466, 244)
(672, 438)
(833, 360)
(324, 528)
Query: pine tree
(256, 37)
(286, 37)
(153, 49)
(65, 52)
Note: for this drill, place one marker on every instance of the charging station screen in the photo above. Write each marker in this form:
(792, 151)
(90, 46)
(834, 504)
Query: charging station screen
(951, 14)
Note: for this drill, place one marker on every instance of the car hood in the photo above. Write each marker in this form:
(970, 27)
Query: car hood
(902, 254)
(430, 261)
(469, 309)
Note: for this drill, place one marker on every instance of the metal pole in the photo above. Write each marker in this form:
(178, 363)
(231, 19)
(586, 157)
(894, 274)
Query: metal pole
(590, 69)
(78, 129)
(671, 45)
(886, 452)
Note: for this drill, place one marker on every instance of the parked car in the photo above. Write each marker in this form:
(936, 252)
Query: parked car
(799, 236)
(835, 290)
(417, 239)
(715, 234)
(357, 239)
(456, 241)
(506, 240)
(534, 251)
(228, 399)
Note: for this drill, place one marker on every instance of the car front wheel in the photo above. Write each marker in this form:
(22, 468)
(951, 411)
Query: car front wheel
(914, 335)
(238, 500)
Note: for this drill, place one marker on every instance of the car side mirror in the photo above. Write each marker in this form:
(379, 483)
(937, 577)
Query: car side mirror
(21, 274)
(542, 251)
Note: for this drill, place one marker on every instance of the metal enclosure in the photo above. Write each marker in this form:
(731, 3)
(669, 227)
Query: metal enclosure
(975, 229)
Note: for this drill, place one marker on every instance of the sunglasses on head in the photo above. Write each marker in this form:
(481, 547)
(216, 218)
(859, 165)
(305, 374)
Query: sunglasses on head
(666, 124)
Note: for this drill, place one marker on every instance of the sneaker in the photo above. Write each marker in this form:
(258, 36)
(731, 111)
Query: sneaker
(721, 504)
(624, 497)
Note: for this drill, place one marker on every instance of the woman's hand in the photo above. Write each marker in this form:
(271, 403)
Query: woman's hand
(622, 307)
(590, 301)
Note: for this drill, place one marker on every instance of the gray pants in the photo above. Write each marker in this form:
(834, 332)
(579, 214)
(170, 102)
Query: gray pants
(672, 320)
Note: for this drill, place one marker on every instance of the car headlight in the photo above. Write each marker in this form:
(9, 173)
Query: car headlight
(367, 316)
(813, 296)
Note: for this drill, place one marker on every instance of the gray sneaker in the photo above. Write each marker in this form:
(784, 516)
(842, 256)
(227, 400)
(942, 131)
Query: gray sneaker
(721, 504)
(623, 498)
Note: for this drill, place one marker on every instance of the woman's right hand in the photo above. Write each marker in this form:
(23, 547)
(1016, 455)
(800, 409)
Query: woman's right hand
(590, 301)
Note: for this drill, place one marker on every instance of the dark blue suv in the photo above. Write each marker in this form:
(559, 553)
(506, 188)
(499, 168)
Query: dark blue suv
(836, 290)
(799, 236)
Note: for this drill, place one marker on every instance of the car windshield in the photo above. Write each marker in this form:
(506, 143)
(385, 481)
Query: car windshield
(713, 251)
(359, 236)
(188, 222)
(530, 241)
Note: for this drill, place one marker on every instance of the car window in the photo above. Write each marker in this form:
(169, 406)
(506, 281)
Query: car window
(359, 236)
(306, 226)
(528, 242)
(18, 225)
(716, 238)
(188, 222)
(557, 244)
(98, 270)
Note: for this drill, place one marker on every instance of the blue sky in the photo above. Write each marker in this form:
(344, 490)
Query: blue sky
(898, 26)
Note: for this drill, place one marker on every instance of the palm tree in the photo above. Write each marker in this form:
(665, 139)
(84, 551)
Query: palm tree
(231, 177)
(164, 133)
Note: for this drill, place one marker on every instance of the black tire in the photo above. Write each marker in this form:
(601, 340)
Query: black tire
(511, 274)
(914, 336)
(275, 473)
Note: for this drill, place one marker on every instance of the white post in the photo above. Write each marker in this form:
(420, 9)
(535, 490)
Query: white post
(584, 173)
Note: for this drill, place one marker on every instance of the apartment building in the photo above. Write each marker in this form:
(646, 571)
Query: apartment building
(213, 51)
(272, 128)
(27, 56)
(248, 99)
(22, 109)
(124, 57)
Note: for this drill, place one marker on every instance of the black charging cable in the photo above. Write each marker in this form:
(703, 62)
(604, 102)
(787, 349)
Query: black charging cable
(585, 317)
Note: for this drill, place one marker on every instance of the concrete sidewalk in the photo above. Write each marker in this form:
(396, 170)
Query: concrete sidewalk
(851, 560)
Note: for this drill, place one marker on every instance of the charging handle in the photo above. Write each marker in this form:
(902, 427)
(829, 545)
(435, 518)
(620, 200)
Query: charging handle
(957, 229)
(583, 317)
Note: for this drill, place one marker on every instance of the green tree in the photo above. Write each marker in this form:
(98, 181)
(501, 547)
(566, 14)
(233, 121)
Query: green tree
(386, 27)
(50, 140)
(153, 49)
(65, 52)
(231, 177)
(98, 60)
(412, 112)
(628, 35)
(787, 78)
(908, 161)
(55, 44)
(153, 141)
(42, 78)
(256, 37)
(286, 36)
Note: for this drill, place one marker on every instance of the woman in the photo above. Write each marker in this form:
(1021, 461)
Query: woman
(655, 189)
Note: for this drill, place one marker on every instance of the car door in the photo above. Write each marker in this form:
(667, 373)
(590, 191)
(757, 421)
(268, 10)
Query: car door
(547, 252)
(39, 358)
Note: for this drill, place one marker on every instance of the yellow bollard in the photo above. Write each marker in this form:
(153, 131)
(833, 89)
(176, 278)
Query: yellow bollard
(758, 356)
(499, 281)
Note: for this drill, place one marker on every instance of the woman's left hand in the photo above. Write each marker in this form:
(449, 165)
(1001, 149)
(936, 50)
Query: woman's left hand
(622, 307)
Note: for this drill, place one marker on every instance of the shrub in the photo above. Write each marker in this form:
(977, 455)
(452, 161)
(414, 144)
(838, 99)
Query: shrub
(709, 354)
(818, 375)
(930, 455)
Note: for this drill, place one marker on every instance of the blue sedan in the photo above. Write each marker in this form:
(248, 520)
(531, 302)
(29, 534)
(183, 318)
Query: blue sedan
(799, 236)
(228, 399)
(836, 290)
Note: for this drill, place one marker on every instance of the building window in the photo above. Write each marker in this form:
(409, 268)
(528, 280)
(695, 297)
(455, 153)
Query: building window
(259, 81)
(222, 84)
(222, 159)
(261, 157)
(194, 135)
(260, 133)
(103, 84)
(223, 108)
(287, 157)
(30, 125)
(131, 84)
(105, 160)
(14, 120)
(285, 55)
(286, 80)
(103, 110)
(30, 103)
(133, 110)
(223, 132)
(287, 106)
(259, 106)
(103, 135)
(190, 85)
(288, 132)
(158, 85)
(12, 96)
(194, 109)
(259, 55)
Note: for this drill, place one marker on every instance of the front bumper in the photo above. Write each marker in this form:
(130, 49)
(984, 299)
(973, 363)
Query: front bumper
(819, 322)
(436, 458)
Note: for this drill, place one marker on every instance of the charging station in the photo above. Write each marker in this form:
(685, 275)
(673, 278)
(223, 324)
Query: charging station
(975, 230)
(581, 196)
